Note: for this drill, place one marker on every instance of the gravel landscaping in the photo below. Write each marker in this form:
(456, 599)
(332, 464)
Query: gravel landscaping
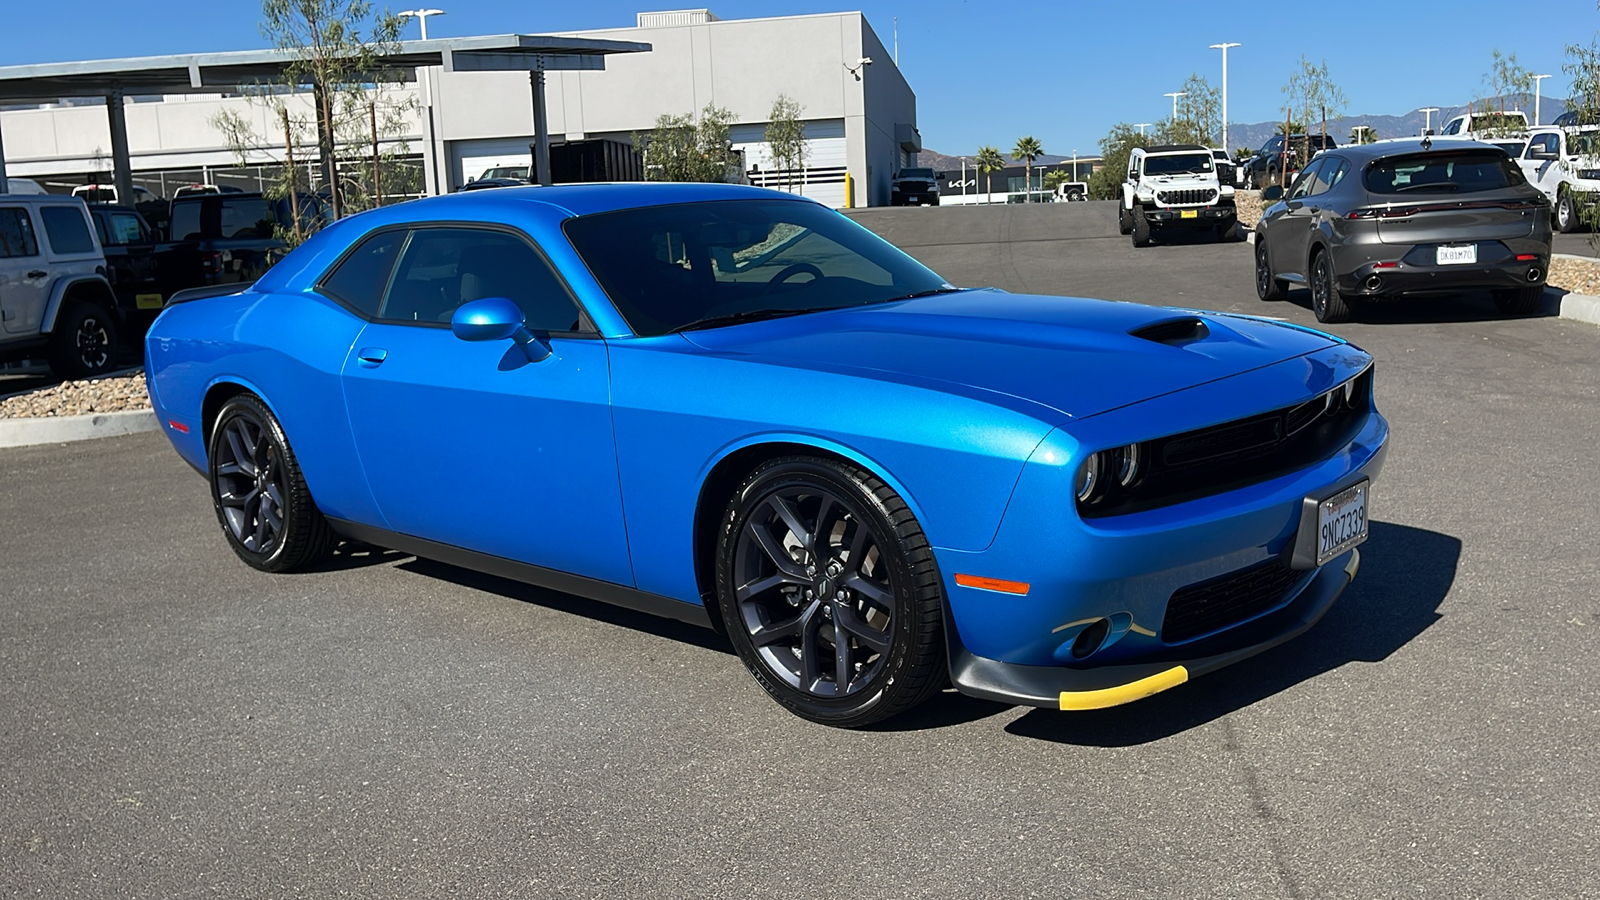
(75, 398)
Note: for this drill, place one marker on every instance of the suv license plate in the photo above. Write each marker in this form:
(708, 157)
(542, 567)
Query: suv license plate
(1341, 522)
(1188, 213)
(1456, 256)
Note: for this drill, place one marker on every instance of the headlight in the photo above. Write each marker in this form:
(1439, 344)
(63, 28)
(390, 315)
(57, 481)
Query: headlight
(1128, 459)
(1088, 477)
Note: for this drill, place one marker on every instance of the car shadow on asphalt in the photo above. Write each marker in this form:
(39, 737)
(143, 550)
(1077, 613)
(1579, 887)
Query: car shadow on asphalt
(1405, 574)
(599, 611)
(1470, 306)
(354, 555)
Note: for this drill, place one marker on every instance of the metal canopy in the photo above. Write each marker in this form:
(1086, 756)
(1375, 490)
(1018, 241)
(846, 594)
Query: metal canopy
(218, 72)
(209, 73)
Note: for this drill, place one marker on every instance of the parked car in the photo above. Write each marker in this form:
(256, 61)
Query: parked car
(1476, 126)
(1227, 172)
(107, 193)
(233, 236)
(55, 301)
(197, 189)
(1071, 192)
(1564, 164)
(139, 266)
(914, 187)
(1059, 502)
(1174, 187)
(1279, 160)
(24, 186)
(497, 182)
(1396, 219)
(504, 172)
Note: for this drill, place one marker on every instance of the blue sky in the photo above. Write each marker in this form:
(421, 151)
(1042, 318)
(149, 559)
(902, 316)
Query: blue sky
(986, 72)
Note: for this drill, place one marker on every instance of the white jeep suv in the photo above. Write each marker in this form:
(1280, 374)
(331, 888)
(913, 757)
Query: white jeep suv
(55, 300)
(1174, 187)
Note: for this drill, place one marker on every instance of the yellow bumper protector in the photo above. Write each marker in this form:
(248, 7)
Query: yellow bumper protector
(1124, 693)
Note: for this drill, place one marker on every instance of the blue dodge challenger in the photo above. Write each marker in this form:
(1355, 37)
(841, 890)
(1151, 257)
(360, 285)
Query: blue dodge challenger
(738, 408)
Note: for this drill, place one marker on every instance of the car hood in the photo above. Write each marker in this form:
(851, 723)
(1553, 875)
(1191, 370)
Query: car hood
(1078, 357)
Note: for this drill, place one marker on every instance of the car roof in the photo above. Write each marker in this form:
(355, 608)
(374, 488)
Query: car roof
(1405, 146)
(588, 199)
(1174, 148)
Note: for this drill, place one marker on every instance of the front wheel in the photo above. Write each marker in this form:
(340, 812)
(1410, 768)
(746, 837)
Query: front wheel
(260, 494)
(1141, 228)
(1327, 303)
(829, 592)
(1521, 301)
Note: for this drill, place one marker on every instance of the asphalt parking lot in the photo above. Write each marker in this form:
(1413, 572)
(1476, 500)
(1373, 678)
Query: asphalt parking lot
(176, 724)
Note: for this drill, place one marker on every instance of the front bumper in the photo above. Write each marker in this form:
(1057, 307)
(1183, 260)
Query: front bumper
(1080, 689)
(1174, 216)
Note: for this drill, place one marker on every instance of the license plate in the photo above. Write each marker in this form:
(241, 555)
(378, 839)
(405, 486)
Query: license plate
(1341, 522)
(1456, 256)
(1188, 213)
(147, 301)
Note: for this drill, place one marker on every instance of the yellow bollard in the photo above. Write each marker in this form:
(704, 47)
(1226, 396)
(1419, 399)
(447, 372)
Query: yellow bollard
(849, 191)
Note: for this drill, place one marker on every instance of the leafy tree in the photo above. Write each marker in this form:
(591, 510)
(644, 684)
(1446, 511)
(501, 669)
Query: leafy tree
(1028, 149)
(1583, 65)
(688, 148)
(1505, 79)
(1199, 116)
(1311, 94)
(1056, 178)
(1243, 154)
(1289, 128)
(989, 161)
(786, 138)
(335, 49)
(1115, 148)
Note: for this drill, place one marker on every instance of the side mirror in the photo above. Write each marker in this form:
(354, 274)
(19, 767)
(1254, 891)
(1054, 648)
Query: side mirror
(1272, 193)
(1543, 154)
(496, 319)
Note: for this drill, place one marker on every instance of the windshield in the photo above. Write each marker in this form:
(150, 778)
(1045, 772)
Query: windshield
(925, 174)
(1186, 164)
(666, 267)
(1448, 173)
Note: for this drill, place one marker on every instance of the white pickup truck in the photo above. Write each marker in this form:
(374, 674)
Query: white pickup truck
(1482, 126)
(1564, 163)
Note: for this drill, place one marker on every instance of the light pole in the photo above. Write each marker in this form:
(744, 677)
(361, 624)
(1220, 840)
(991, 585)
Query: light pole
(964, 179)
(1224, 48)
(1536, 85)
(1427, 117)
(1359, 129)
(1175, 95)
(421, 15)
(1141, 126)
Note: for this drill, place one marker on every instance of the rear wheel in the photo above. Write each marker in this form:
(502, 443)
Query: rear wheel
(1521, 301)
(1124, 221)
(1268, 287)
(829, 592)
(1326, 302)
(1141, 228)
(83, 343)
(262, 502)
(1567, 220)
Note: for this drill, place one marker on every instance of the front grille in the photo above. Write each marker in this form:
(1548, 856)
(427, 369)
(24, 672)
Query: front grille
(1231, 455)
(1215, 604)
(1199, 195)
(914, 187)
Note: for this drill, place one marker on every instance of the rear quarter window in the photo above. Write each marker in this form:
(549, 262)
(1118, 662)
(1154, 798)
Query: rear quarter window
(16, 233)
(67, 229)
(1443, 173)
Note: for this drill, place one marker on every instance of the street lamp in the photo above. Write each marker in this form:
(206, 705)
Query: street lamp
(1175, 95)
(1427, 117)
(1359, 130)
(1224, 49)
(1536, 85)
(421, 15)
(1141, 126)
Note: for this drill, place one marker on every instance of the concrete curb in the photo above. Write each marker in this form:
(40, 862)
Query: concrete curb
(1581, 307)
(61, 429)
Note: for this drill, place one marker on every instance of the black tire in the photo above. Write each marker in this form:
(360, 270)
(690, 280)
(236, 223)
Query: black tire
(260, 495)
(1523, 301)
(1566, 215)
(1268, 287)
(1141, 228)
(1075, 196)
(83, 342)
(875, 571)
(1124, 221)
(1327, 304)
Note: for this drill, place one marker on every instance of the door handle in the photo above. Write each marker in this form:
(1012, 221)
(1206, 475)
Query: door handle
(372, 357)
(38, 273)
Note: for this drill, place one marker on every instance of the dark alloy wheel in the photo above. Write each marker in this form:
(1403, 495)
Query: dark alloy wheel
(1267, 286)
(84, 342)
(1567, 219)
(1523, 301)
(829, 592)
(261, 498)
(1326, 302)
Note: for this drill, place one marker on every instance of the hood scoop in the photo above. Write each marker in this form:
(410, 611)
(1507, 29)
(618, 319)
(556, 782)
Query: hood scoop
(1174, 332)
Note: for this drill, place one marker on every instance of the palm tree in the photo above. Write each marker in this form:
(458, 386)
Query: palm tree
(1056, 178)
(989, 161)
(1027, 150)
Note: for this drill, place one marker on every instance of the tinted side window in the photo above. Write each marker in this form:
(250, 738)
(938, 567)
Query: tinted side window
(1302, 185)
(16, 233)
(1547, 143)
(119, 229)
(443, 268)
(359, 280)
(67, 230)
(1327, 176)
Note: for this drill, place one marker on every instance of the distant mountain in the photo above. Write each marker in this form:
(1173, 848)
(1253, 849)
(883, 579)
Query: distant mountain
(1255, 134)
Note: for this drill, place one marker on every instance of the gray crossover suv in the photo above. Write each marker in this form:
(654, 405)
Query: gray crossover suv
(1405, 218)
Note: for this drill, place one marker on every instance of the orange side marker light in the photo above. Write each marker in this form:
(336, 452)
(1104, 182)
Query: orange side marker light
(992, 584)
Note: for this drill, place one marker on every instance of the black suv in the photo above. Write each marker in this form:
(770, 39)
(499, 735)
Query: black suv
(1277, 157)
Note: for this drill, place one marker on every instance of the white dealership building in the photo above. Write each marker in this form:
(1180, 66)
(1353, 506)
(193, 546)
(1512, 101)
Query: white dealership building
(860, 117)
